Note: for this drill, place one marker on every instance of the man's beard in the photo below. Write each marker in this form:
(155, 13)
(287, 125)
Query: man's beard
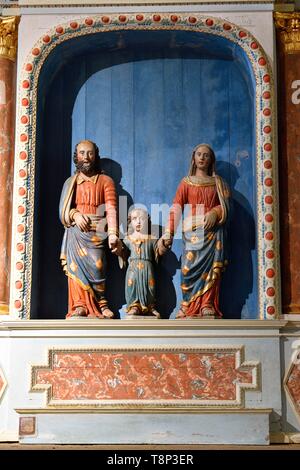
(88, 169)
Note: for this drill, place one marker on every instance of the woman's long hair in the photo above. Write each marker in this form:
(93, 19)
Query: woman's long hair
(211, 168)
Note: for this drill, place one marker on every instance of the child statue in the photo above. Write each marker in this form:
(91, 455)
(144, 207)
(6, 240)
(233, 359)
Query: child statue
(142, 250)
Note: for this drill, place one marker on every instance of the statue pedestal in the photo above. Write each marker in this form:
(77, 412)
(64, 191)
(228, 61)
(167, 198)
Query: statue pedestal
(166, 382)
(243, 427)
(140, 317)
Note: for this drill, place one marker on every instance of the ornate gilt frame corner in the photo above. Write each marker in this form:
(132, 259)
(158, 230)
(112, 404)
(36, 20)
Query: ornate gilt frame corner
(288, 31)
(9, 37)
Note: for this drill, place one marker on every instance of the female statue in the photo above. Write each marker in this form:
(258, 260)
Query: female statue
(204, 195)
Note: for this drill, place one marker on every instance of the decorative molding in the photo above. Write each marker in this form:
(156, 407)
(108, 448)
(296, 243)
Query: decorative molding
(27, 426)
(3, 384)
(140, 325)
(291, 382)
(265, 124)
(216, 410)
(104, 3)
(4, 309)
(288, 29)
(284, 438)
(9, 37)
(135, 377)
(294, 438)
(291, 309)
(292, 322)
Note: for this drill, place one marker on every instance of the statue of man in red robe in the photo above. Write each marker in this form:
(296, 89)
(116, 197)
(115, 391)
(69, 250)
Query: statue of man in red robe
(88, 211)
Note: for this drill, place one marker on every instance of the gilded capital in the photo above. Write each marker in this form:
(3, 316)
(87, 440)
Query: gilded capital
(9, 36)
(288, 31)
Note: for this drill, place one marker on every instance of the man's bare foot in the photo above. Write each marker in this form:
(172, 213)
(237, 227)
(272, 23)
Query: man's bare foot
(133, 311)
(181, 313)
(155, 313)
(78, 312)
(107, 313)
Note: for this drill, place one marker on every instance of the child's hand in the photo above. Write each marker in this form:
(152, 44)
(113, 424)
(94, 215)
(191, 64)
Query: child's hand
(167, 240)
(164, 244)
(113, 242)
(116, 247)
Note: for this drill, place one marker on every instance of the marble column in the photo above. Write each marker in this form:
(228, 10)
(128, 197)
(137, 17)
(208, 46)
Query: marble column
(288, 59)
(8, 48)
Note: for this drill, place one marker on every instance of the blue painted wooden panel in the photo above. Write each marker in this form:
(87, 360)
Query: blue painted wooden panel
(147, 107)
(147, 116)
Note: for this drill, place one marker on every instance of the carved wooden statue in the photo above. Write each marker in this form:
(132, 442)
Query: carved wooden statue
(88, 204)
(142, 251)
(203, 256)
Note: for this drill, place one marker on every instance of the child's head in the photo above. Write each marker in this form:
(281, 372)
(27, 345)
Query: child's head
(138, 220)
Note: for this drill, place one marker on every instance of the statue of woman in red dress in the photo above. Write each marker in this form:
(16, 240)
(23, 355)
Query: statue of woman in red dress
(204, 195)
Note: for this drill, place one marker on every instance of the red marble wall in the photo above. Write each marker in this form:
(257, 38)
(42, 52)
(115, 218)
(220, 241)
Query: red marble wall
(7, 113)
(143, 375)
(289, 176)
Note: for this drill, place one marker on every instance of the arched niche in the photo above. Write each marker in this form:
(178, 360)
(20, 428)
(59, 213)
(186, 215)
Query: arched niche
(147, 92)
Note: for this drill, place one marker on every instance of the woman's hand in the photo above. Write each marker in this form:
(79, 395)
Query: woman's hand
(210, 220)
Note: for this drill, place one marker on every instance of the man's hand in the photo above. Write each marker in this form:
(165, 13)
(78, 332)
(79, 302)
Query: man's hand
(113, 242)
(210, 220)
(82, 221)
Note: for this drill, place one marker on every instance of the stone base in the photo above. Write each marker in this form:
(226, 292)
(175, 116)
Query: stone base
(140, 382)
(140, 317)
(244, 427)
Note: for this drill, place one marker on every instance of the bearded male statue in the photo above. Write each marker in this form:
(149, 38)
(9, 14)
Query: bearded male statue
(88, 211)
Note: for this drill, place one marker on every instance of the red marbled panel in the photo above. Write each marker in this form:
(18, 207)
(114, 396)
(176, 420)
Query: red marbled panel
(293, 386)
(142, 375)
(289, 171)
